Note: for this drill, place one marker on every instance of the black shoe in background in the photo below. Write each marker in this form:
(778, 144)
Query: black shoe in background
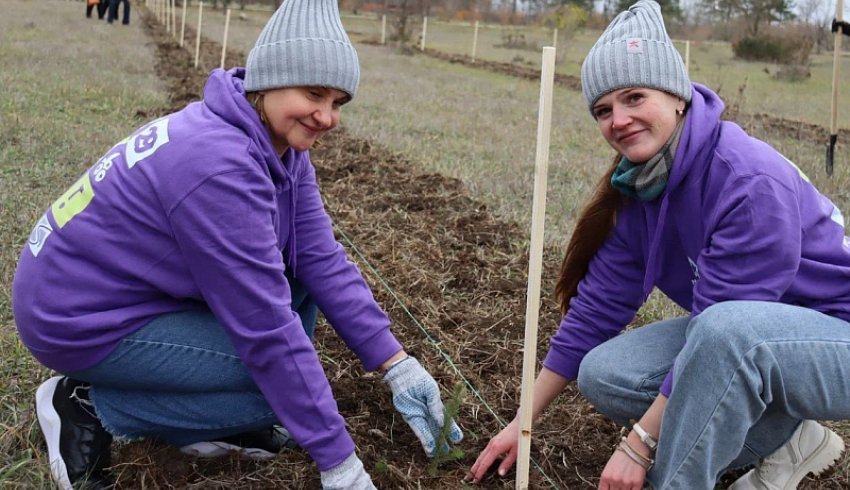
(77, 444)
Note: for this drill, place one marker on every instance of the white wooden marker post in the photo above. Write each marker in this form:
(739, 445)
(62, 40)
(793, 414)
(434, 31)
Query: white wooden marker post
(173, 18)
(198, 37)
(183, 23)
(224, 43)
(836, 63)
(535, 265)
(424, 32)
(383, 30)
(475, 41)
(687, 56)
(167, 19)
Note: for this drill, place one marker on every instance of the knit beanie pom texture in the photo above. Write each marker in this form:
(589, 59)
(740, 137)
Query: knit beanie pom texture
(303, 45)
(634, 51)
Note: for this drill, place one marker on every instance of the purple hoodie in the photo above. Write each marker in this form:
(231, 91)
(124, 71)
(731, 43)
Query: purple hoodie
(195, 209)
(738, 221)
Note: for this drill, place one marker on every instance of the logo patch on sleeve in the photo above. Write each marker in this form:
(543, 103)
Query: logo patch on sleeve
(39, 235)
(146, 142)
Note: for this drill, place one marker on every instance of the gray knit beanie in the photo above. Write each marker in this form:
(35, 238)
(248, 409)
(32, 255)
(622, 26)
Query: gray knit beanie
(303, 45)
(634, 51)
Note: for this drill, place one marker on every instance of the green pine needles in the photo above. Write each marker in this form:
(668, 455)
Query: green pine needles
(443, 452)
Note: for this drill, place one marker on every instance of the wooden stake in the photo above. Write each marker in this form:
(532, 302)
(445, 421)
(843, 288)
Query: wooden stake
(173, 18)
(475, 41)
(224, 43)
(424, 32)
(836, 64)
(687, 56)
(167, 11)
(535, 265)
(198, 37)
(183, 23)
(383, 30)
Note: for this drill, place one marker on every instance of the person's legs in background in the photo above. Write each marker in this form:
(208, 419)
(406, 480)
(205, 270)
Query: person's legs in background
(126, 19)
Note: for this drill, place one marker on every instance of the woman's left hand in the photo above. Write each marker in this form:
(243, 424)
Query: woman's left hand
(621, 473)
(416, 396)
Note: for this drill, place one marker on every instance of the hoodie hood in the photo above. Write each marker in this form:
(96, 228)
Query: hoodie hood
(225, 96)
(700, 132)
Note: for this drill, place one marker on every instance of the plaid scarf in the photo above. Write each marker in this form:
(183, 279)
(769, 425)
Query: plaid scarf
(646, 181)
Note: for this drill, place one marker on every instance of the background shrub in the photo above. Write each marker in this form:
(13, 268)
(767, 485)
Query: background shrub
(786, 47)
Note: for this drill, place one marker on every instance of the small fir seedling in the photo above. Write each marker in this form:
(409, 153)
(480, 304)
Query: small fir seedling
(452, 408)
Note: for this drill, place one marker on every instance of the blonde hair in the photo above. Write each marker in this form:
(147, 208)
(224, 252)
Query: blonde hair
(256, 100)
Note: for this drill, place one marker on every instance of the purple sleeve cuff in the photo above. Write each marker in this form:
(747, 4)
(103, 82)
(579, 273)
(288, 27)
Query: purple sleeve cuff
(667, 384)
(564, 365)
(377, 349)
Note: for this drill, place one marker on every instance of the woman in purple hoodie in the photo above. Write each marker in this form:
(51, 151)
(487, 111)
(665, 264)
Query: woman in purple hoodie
(175, 285)
(732, 232)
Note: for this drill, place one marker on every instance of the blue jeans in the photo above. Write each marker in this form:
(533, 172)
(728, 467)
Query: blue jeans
(113, 11)
(180, 380)
(748, 374)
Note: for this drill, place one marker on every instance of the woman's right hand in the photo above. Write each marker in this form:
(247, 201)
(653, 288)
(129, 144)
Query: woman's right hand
(505, 445)
(348, 475)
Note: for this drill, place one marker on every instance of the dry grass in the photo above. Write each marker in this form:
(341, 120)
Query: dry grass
(70, 91)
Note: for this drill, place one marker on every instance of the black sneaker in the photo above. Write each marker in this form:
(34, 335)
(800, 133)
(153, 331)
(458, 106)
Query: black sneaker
(77, 444)
(257, 444)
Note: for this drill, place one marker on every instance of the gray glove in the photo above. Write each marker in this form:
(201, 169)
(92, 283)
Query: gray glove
(348, 475)
(416, 396)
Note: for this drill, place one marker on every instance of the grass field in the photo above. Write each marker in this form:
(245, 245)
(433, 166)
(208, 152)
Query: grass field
(79, 85)
(73, 89)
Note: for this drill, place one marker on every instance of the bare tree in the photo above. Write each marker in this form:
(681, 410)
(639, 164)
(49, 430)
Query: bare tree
(755, 13)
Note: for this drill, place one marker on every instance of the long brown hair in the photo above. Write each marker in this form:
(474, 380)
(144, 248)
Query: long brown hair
(594, 224)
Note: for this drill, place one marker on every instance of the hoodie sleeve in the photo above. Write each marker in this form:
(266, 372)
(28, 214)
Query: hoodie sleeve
(607, 300)
(334, 282)
(754, 247)
(224, 229)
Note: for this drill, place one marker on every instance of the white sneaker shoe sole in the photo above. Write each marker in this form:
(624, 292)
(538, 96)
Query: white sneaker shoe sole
(218, 448)
(823, 457)
(828, 451)
(51, 427)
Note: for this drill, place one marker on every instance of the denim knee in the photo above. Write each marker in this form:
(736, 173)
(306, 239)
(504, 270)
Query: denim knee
(724, 325)
(599, 380)
(593, 372)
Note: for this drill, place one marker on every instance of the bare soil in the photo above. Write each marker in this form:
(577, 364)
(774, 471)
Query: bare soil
(458, 269)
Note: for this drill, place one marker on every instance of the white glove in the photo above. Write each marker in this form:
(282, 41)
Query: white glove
(416, 396)
(348, 475)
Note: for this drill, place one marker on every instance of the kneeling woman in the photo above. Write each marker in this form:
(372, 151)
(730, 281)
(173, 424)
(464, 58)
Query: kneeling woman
(734, 233)
(175, 285)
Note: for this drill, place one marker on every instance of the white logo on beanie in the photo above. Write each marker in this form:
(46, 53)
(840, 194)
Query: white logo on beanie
(634, 46)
